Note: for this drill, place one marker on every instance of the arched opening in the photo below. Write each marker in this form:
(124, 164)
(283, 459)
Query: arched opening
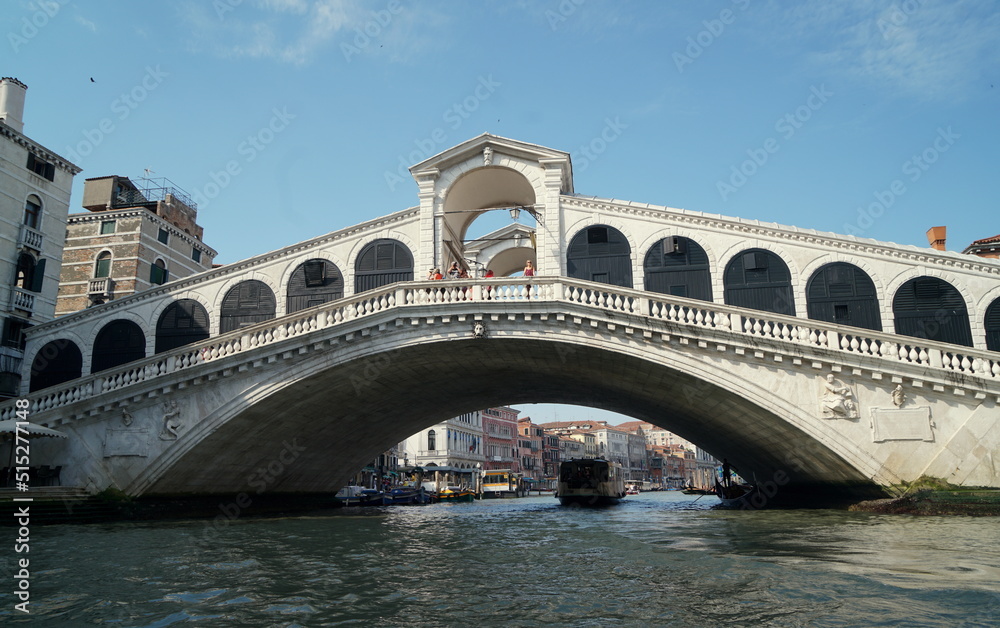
(119, 342)
(247, 303)
(600, 253)
(679, 266)
(992, 325)
(844, 294)
(470, 200)
(381, 263)
(760, 280)
(55, 363)
(733, 418)
(181, 323)
(314, 282)
(25, 272)
(931, 308)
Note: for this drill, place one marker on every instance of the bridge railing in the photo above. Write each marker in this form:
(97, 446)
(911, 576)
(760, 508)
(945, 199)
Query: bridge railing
(642, 305)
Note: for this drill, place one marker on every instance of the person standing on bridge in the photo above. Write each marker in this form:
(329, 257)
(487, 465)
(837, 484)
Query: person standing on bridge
(529, 271)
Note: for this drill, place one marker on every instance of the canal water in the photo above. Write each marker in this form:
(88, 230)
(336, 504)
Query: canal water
(659, 559)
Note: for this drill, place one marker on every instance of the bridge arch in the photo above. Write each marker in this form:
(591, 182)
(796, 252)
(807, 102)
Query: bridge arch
(180, 323)
(57, 362)
(119, 342)
(932, 308)
(991, 325)
(761, 279)
(361, 392)
(601, 252)
(382, 261)
(843, 293)
(678, 265)
(312, 282)
(248, 302)
(483, 188)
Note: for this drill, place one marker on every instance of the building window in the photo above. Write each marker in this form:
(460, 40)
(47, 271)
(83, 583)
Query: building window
(158, 273)
(41, 168)
(32, 211)
(163, 236)
(107, 226)
(13, 333)
(431, 440)
(196, 255)
(102, 267)
(25, 271)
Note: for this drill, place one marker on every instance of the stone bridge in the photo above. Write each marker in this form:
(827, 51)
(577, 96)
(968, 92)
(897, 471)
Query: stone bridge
(806, 358)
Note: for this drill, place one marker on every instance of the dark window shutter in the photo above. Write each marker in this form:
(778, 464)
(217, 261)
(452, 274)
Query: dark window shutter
(39, 276)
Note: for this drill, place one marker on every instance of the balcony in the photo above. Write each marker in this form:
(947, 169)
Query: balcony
(22, 300)
(101, 288)
(30, 238)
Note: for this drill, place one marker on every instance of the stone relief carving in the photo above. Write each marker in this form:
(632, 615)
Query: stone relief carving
(127, 417)
(898, 396)
(479, 330)
(837, 400)
(171, 421)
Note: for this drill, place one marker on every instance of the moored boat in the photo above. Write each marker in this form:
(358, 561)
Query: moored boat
(590, 482)
(455, 494)
(407, 495)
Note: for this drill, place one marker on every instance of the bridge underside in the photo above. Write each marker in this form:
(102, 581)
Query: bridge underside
(311, 433)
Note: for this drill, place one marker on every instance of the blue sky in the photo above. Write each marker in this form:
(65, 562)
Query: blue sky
(286, 119)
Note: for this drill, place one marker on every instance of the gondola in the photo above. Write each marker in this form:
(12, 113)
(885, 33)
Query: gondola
(735, 495)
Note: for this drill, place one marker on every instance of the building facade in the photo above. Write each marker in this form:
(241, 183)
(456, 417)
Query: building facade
(131, 238)
(500, 439)
(35, 185)
(453, 444)
(530, 437)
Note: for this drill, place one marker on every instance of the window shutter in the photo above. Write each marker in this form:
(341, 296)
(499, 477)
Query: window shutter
(39, 276)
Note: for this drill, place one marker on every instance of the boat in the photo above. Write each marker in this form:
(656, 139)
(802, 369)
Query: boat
(632, 489)
(498, 483)
(590, 482)
(359, 496)
(455, 494)
(735, 495)
(691, 490)
(407, 495)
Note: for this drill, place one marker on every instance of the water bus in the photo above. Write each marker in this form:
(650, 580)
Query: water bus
(502, 483)
(590, 482)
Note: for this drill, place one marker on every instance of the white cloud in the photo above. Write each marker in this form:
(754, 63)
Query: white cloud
(926, 49)
(297, 31)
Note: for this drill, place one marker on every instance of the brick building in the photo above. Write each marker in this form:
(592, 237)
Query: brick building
(131, 238)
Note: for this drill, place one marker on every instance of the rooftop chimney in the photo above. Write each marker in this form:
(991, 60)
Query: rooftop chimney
(12, 102)
(936, 237)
